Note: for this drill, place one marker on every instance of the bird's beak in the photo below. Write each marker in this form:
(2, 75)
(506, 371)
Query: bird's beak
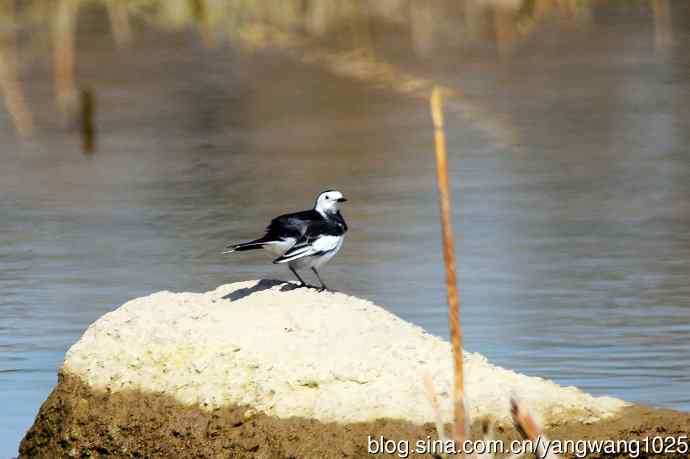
(341, 200)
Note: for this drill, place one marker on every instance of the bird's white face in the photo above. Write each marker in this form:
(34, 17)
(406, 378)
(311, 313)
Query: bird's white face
(329, 201)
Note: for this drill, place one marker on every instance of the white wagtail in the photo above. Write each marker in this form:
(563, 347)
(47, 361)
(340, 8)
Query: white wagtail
(306, 239)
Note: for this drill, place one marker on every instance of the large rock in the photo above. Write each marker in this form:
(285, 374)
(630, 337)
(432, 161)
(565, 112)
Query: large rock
(263, 369)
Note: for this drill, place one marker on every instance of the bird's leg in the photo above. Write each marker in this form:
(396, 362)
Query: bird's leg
(323, 286)
(301, 282)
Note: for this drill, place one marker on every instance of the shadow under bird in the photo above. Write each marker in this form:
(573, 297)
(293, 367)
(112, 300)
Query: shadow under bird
(306, 239)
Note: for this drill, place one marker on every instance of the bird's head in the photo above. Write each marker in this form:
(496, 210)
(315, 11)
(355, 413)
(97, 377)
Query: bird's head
(329, 201)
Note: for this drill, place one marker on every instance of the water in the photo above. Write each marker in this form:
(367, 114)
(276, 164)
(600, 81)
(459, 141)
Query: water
(573, 231)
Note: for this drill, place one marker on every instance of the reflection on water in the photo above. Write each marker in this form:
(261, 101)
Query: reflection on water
(573, 240)
(362, 38)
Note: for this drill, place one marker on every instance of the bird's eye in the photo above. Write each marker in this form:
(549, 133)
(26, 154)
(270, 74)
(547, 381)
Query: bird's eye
(328, 197)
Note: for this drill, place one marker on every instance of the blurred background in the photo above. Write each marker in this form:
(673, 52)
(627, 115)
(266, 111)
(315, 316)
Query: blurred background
(139, 137)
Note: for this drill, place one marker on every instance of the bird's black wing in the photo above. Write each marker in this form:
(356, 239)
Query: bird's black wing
(294, 225)
(322, 236)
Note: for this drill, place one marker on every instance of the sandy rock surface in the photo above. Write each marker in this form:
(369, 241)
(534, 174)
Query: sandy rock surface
(298, 352)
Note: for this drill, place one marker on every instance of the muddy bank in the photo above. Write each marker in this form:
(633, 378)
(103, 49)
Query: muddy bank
(77, 421)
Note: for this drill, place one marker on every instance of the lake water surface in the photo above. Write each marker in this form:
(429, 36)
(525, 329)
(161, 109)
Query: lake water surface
(573, 232)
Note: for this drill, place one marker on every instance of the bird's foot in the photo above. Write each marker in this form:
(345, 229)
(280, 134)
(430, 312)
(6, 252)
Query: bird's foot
(304, 285)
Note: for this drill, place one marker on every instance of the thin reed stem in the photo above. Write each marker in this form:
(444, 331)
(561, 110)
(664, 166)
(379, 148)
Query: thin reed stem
(10, 82)
(64, 25)
(88, 131)
(449, 258)
(435, 406)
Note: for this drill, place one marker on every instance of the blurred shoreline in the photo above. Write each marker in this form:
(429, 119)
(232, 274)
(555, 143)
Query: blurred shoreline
(386, 43)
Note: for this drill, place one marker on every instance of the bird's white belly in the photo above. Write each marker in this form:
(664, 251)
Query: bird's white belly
(278, 248)
(316, 261)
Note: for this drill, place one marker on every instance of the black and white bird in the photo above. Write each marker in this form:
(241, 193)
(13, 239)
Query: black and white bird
(306, 239)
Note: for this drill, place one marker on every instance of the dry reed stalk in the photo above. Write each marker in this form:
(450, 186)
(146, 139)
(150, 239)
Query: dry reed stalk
(663, 27)
(505, 31)
(449, 257)
(524, 423)
(529, 429)
(64, 37)
(119, 22)
(435, 406)
(10, 84)
(87, 129)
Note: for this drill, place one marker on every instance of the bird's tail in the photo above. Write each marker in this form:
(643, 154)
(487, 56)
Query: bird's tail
(251, 245)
